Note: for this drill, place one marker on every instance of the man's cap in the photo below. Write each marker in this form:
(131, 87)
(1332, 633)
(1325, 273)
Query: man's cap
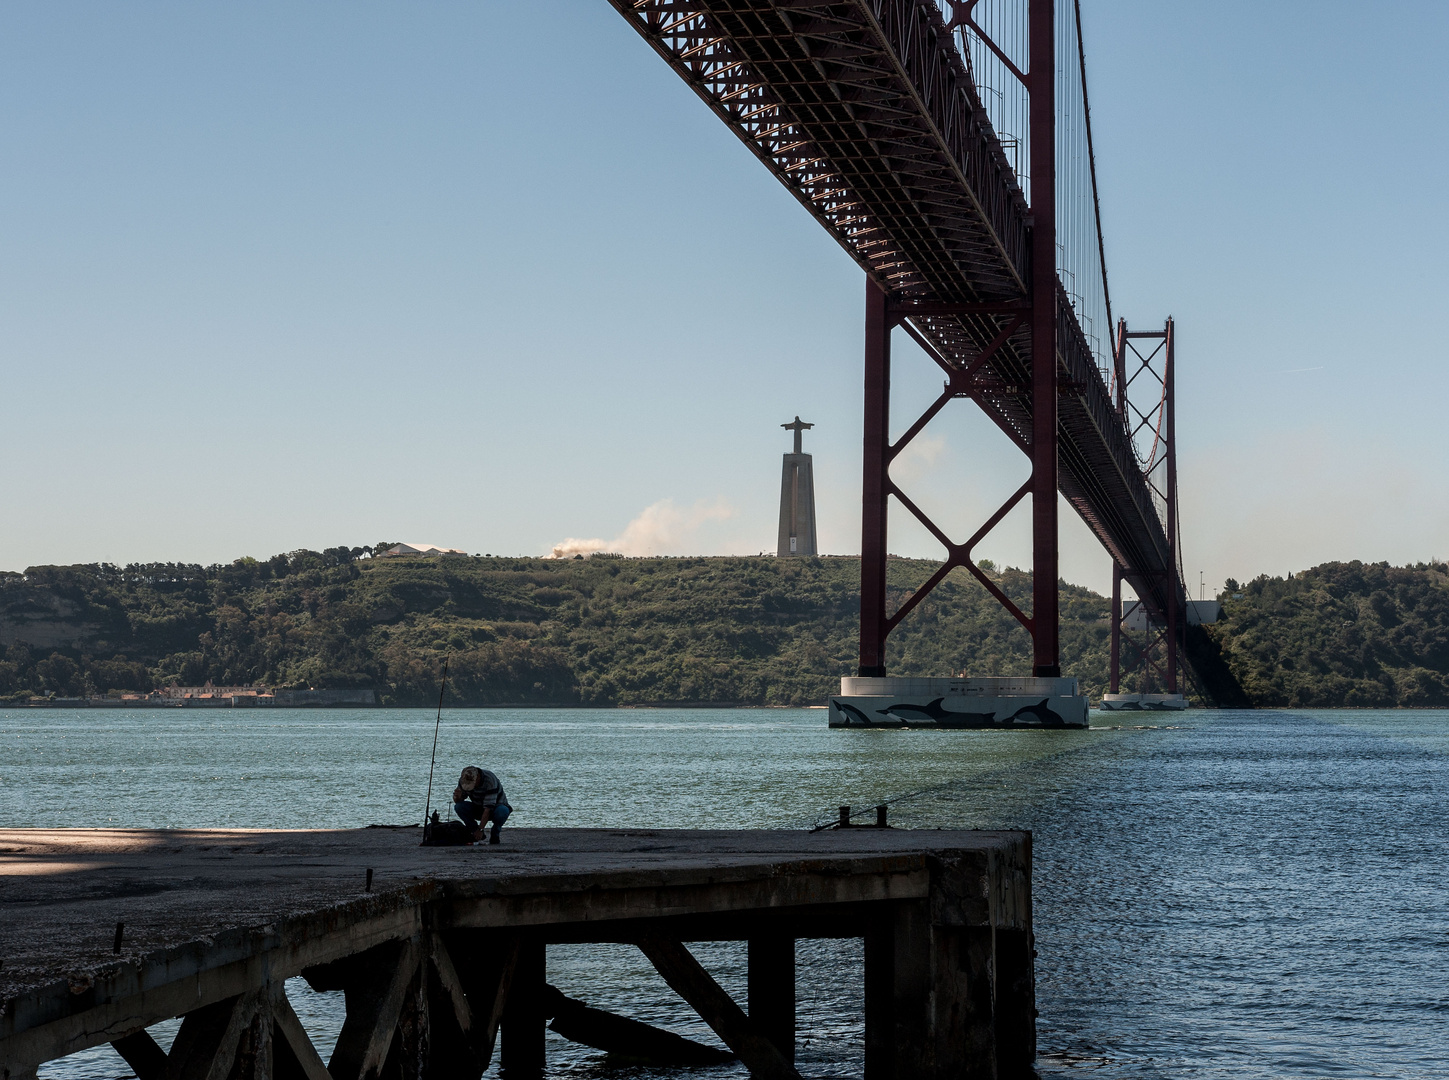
(471, 778)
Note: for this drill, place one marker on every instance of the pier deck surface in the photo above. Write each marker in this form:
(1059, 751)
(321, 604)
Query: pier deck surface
(208, 913)
(64, 890)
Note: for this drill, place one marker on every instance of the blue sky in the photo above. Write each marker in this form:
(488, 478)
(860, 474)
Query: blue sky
(280, 275)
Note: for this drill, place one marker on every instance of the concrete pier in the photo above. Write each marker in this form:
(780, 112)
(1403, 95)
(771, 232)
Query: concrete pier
(438, 950)
(1144, 702)
(958, 703)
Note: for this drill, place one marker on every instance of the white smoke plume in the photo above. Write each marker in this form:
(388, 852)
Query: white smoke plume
(660, 529)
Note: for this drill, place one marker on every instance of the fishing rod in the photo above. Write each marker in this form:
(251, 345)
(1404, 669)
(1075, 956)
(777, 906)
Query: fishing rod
(428, 804)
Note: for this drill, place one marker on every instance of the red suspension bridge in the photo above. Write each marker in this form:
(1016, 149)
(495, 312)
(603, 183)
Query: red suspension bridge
(946, 146)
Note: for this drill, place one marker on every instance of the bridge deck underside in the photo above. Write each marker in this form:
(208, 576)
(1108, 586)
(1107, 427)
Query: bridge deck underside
(864, 110)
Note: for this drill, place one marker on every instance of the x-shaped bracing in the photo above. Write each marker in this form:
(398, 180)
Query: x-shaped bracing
(960, 382)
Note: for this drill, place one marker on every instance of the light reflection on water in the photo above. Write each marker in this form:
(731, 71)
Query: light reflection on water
(1217, 894)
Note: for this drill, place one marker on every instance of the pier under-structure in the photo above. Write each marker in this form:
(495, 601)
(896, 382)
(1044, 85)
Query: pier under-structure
(927, 137)
(441, 952)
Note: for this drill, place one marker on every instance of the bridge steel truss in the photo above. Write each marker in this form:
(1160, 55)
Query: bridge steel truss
(866, 113)
(1160, 658)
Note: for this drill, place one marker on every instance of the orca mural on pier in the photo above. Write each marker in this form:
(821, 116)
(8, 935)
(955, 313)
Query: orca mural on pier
(935, 714)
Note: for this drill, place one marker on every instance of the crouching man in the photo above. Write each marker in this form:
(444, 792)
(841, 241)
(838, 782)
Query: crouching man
(479, 800)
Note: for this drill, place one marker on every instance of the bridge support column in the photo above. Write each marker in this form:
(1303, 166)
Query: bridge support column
(1119, 395)
(1161, 610)
(1176, 631)
(1115, 675)
(875, 483)
(1046, 657)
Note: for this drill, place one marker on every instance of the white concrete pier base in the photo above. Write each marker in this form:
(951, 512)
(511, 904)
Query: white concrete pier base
(959, 703)
(1143, 702)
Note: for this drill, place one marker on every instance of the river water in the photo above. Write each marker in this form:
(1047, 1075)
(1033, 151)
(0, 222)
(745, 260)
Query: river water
(1218, 894)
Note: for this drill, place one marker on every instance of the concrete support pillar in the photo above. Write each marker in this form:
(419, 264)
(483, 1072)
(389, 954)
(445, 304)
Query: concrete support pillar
(962, 1011)
(949, 987)
(898, 994)
(1015, 1001)
(771, 990)
(1115, 675)
(412, 1046)
(879, 1002)
(376, 985)
(524, 1022)
(255, 1055)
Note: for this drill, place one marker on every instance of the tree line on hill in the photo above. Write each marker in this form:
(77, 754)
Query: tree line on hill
(615, 631)
(1348, 634)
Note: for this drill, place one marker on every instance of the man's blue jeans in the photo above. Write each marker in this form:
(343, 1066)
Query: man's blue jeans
(472, 813)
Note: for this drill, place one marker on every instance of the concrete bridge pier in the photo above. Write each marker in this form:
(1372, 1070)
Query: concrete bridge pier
(441, 954)
(947, 999)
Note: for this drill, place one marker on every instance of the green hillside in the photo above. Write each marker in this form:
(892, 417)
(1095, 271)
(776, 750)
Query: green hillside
(614, 631)
(605, 630)
(1341, 634)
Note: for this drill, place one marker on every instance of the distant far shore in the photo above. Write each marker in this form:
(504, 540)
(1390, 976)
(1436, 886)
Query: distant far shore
(113, 703)
(344, 630)
(693, 706)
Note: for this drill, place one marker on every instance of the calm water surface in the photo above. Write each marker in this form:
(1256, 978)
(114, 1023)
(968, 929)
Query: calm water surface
(1226, 894)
